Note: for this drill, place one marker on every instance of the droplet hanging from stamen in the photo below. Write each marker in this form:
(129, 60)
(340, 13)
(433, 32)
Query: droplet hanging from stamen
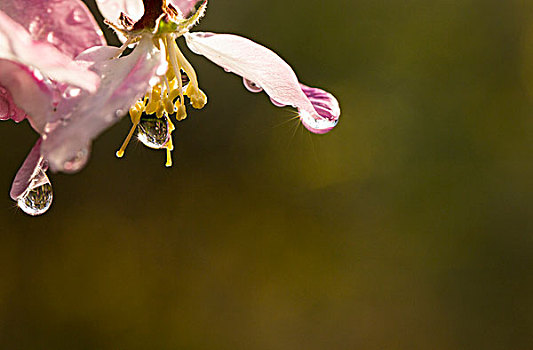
(38, 197)
(154, 132)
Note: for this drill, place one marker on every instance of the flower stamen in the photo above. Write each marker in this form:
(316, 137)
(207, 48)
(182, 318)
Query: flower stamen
(135, 115)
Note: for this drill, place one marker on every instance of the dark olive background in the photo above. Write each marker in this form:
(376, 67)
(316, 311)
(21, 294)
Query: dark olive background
(407, 227)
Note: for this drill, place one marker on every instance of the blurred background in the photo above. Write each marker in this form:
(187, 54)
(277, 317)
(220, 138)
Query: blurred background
(407, 227)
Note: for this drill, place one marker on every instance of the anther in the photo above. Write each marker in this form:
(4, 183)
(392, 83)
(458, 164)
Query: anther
(168, 105)
(181, 112)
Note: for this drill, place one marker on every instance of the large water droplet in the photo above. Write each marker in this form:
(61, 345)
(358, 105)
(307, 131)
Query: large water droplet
(251, 86)
(77, 162)
(317, 126)
(153, 132)
(37, 200)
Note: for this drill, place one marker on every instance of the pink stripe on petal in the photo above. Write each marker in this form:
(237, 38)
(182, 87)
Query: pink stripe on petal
(260, 67)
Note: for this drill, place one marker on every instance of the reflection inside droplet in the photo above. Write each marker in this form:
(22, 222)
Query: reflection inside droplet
(36, 201)
(153, 132)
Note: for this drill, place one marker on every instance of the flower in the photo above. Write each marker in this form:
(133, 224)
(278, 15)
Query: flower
(55, 73)
(163, 21)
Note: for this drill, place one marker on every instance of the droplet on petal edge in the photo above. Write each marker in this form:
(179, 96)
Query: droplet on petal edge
(153, 132)
(316, 126)
(327, 110)
(251, 86)
(38, 198)
(77, 162)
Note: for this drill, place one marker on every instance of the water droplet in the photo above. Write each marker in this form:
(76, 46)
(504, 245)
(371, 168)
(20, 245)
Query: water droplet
(37, 200)
(77, 162)
(153, 132)
(75, 17)
(35, 27)
(119, 113)
(51, 38)
(251, 86)
(71, 92)
(317, 126)
(276, 103)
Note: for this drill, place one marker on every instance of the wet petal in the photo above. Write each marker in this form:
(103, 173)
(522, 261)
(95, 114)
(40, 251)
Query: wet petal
(33, 165)
(22, 94)
(16, 45)
(81, 116)
(66, 24)
(262, 68)
(8, 108)
(111, 9)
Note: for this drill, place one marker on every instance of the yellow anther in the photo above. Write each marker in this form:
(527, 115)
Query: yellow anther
(197, 96)
(170, 73)
(168, 105)
(140, 105)
(156, 93)
(160, 110)
(152, 106)
(181, 112)
(174, 94)
(135, 115)
(136, 112)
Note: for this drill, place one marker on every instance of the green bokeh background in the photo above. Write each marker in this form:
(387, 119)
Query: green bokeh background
(407, 227)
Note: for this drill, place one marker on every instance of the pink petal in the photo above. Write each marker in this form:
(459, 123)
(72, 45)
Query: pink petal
(111, 9)
(186, 6)
(81, 116)
(16, 45)
(33, 165)
(66, 24)
(24, 95)
(262, 68)
(8, 108)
